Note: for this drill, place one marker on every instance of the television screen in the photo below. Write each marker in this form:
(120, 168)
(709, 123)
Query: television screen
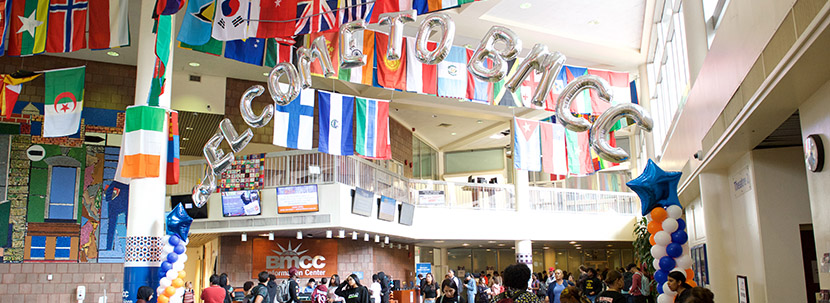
(386, 211)
(406, 214)
(362, 203)
(297, 199)
(190, 207)
(240, 203)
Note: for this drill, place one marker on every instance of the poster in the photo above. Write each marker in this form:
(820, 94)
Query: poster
(431, 197)
(423, 269)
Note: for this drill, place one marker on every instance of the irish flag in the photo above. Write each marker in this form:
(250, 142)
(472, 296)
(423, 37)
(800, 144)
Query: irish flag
(63, 101)
(144, 141)
(372, 137)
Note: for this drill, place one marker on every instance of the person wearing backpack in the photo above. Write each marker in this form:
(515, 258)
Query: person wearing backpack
(516, 277)
(627, 274)
(259, 294)
(636, 287)
(321, 292)
(272, 287)
(293, 286)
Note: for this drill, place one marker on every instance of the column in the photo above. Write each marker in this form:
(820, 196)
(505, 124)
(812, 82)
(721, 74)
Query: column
(524, 253)
(145, 216)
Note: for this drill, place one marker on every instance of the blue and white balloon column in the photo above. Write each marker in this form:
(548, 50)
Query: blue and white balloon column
(171, 271)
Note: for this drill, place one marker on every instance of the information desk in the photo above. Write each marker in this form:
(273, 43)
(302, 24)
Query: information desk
(405, 296)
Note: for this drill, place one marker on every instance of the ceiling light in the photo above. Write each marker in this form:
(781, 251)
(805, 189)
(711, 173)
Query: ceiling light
(610, 245)
(244, 237)
(263, 235)
(194, 64)
(579, 248)
(366, 237)
(560, 253)
(465, 244)
(502, 244)
(299, 235)
(546, 247)
(512, 247)
(386, 240)
(593, 22)
(399, 246)
(430, 251)
(188, 128)
(354, 236)
(479, 121)
(487, 249)
(491, 242)
(271, 236)
(266, 74)
(113, 54)
(572, 242)
(407, 247)
(525, 5)
(377, 238)
(435, 116)
(328, 234)
(382, 245)
(341, 234)
(452, 134)
(439, 241)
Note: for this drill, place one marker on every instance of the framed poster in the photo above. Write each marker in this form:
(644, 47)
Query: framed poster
(700, 265)
(743, 290)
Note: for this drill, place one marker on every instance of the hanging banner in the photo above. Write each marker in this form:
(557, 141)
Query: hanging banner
(313, 258)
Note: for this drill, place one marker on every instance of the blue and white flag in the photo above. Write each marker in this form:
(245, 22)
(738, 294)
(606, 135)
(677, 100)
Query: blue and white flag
(294, 123)
(336, 120)
(197, 23)
(452, 74)
(249, 51)
(527, 145)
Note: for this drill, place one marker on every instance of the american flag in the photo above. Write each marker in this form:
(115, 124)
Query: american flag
(315, 16)
(357, 9)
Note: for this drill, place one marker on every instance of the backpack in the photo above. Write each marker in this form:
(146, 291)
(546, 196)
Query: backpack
(320, 297)
(254, 291)
(627, 276)
(543, 290)
(645, 286)
(281, 295)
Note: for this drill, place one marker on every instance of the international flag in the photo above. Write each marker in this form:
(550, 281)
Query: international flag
(383, 6)
(420, 78)
(391, 73)
(579, 153)
(11, 87)
(143, 141)
(230, 20)
(67, 26)
(502, 95)
(335, 124)
(365, 73)
(63, 101)
(276, 52)
(197, 23)
(248, 51)
(372, 137)
(283, 10)
(478, 90)
(619, 86)
(352, 10)
(554, 152)
(5, 13)
(294, 123)
(428, 6)
(168, 7)
(27, 28)
(600, 163)
(173, 149)
(315, 16)
(527, 149)
(452, 74)
(108, 24)
(580, 104)
(332, 42)
(212, 47)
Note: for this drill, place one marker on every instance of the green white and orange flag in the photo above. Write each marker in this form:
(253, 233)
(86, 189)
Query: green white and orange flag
(64, 101)
(143, 142)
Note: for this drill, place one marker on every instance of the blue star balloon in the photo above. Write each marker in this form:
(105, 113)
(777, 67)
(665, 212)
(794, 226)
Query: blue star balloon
(178, 222)
(655, 187)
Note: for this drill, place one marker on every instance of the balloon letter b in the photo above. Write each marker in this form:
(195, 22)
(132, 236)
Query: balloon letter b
(486, 49)
(541, 61)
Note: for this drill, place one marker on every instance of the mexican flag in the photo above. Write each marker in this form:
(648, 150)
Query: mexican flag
(64, 101)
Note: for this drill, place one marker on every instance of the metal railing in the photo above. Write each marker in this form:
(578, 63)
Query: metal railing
(464, 195)
(583, 201)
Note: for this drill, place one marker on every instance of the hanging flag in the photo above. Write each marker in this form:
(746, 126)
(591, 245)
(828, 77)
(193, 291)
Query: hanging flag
(503, 96)
(372, 137)
(108, 24)
(294, 123)
(554, 152)
(283, 10)
(230, 20)
(248, 51)
(67, 26)
(581, 103)
(428, 6)
(452, 74)
(332, 39)
(365, 73)
(391, 73)
(64, 101)
(5, 14)
(351, 10)
(276, 52)
(315, 16)
(173, 149)
(197, 22)
(27, 28)
(168, 7)
(600, 163)
(621, 93)
(579, 154)
(143, 141)
(527, 150)
(335, 124)
(11, 90)
(383, 6)
(478, 90)
(212, 47)
(420, 78)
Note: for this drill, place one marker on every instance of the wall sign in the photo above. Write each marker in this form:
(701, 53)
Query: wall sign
(743, 290)
(740, 183)
(313, 258)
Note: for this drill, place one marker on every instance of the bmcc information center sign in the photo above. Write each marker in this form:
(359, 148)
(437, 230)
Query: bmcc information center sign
(313, 258)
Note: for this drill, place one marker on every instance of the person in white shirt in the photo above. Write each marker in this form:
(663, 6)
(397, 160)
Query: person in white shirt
(375, 290)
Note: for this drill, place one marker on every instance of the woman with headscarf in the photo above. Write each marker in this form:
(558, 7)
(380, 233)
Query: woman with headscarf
(449, 292)
(470, 286)
(352, 291)
(144, 294)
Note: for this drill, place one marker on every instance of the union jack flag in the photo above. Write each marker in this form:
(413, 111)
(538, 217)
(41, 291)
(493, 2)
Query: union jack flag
(315, 16)
(351, 10)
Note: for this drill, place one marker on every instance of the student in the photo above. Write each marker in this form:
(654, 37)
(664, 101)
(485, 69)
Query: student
(247, 289)
(592, 285)
(375, 290)
(352, 291)
(144, 294)
(615, 282)
(214, 293)
(449, 292)
(470, 286)
(699, 295)
(259, 294)
(429, 288)
(557, 286)
(321, 292)
(677, 283)
(515, 280)
(293, 286)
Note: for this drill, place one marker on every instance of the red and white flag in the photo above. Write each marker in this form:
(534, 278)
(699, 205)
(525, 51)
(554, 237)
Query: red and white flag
(420, 78)
(272, 11)
(108, 24)
(554, 152)
(67, 25)
(619, 85)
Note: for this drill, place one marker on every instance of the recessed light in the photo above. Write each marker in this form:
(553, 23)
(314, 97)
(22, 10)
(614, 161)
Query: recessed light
(525, 5)
(572, 242)
(266, 74)
(579, 248)
(546, 247)
(491, 242)
(610, 245)
(113, 54)
(502, 244)
(560, 253)
(578, 245)
(194, 64)
(465, 244)
(435, 116)
(439, 241)
(479, 121)
(488, 249)
(593, 22)
(452, 134)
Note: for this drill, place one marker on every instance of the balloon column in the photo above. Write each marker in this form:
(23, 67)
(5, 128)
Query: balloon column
(657, 190)
(171, 271)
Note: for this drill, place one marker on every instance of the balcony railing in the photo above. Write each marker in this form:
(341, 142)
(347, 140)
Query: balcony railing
(308, 167)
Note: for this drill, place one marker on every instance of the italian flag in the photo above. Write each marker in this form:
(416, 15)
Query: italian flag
(144, 141)
(63, 101)
(372, 136)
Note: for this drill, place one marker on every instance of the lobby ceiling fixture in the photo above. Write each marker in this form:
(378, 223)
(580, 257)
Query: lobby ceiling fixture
(341, 234)
(271, 236)
(399, 246)
(194, 64)
(465, 244)
(525, 5)
(382, 245)
(491, 242)
(407, 247)
(572, 242)
(354, 235)
(113, 54)
(439, 241)
(502, 244)
(578, 247)
(377, 238)
(299, 235)
(452, 134)
(546, 247)
(265, 74)
(386, 239)
(366, 237)
(479, 121)
(328, 234)
(244, 237)
(593, 22)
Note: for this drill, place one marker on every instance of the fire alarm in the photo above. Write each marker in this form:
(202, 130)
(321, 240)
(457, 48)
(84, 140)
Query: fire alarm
(413, 129)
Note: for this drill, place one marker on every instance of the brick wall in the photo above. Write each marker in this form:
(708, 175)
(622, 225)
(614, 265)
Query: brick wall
(235, 258)
(399, 263)
(401, 145)
(18, 195)
(353, 256)
(27, 282)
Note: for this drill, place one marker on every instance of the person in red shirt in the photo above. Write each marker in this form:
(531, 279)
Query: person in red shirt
(214, 293)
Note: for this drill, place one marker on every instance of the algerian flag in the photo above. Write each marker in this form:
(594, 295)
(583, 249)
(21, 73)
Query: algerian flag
(64, 101)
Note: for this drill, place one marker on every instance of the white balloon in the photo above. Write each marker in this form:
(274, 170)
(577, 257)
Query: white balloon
(648, 216)
(658, 251)
(684, 261)
(177, 267)
(662, 238)
(166, 249)
(172, 274)
(160, 289)
(675, 212)
(182, 258)
(664, 298)
(669, 226)
(680, 270)
(656, 263)
(165, 240)
(179, 292)
(164, 283)
(668, 291)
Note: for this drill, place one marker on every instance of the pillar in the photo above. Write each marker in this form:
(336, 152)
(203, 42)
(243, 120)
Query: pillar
(524, 253)
(145, 215)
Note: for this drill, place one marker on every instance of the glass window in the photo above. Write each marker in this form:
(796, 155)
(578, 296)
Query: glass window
(424, 160)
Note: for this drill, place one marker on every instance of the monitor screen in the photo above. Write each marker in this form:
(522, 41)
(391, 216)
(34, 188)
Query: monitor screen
(240, 203)
(190, 207)
(406, 214)
(297, 199)
(386, 211)
(362, 202)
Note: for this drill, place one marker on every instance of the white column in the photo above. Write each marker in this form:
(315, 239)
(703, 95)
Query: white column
(524, 254)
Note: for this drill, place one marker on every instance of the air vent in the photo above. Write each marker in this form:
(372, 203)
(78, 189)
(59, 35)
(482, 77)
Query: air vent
(444, 125)
(195, 78)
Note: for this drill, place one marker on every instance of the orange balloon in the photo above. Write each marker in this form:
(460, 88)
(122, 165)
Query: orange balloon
(170, 291)
(654, 227)
(692, 283)
(182, 274)
(651, 240)
(177, 283)
(163, 299)
(659, 214)
(690, 275)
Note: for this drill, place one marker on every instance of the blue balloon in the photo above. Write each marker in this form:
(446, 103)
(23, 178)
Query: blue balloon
(165, 266)
(172, 257)
(660, 288)
(179, 249)
(661, 276)
(681, 224)
(679, 237)
(178, 223)
(673, 250)
(174, 240)
(667, 263)
(655, 187)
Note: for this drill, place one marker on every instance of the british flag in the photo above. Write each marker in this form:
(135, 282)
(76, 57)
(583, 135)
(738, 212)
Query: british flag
(352, 10)
(315, 16)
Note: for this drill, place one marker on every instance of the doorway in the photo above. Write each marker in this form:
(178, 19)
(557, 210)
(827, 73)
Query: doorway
(808, 254)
